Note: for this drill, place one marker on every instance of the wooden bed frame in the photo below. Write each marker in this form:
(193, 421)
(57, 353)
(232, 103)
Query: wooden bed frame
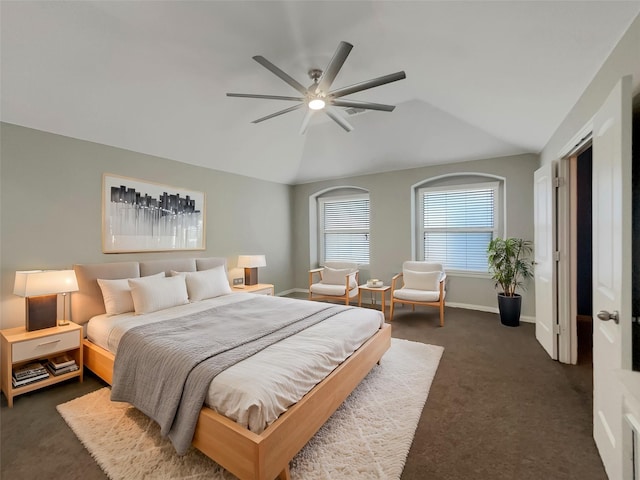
(264, 456)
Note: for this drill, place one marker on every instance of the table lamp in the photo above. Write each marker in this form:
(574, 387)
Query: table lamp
(41, 289)
(250, 263)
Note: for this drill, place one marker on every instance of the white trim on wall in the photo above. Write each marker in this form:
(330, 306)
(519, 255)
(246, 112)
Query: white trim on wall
(425, 182)
(579, 141)
(483, 308)
(291, 290)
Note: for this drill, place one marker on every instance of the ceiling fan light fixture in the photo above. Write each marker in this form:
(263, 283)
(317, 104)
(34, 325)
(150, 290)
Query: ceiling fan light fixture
(319, 95)
(316, 104)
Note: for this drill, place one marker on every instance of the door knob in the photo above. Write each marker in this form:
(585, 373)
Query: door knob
(604, 315)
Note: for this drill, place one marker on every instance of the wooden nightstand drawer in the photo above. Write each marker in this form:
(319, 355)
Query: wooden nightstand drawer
(41, 347)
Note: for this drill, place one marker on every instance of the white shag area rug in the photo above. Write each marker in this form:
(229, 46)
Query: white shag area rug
(368, 437)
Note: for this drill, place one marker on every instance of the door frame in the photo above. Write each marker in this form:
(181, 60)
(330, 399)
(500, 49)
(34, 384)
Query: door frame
(567, 341)
(566, 244)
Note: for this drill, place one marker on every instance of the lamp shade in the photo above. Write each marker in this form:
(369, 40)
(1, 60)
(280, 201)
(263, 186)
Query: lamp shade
(251, 261)
(33, 283)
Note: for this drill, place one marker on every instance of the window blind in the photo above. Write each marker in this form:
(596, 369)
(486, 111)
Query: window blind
(346, 230)
(458, 226)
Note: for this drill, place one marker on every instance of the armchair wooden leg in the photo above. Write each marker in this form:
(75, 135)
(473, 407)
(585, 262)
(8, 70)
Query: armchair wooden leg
(391, 311)
(442, 314)
(413, 307)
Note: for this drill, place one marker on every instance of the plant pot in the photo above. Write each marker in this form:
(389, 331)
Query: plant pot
(509, 309)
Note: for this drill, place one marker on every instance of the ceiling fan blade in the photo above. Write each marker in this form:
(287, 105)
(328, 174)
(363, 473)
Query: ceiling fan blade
(305, 121)
(329, 74)
(268, 97)
(336, 117)
(279, 73)
(376, 82)
(281, 112)
(365, 105)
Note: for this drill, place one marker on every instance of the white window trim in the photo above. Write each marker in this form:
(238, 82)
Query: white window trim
(321, 230)
(419, 230)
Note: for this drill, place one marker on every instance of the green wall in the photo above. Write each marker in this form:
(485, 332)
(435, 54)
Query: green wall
(391, 233)
(50, 207)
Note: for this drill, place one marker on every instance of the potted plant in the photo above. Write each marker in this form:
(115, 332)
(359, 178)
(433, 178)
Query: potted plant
(510, 265)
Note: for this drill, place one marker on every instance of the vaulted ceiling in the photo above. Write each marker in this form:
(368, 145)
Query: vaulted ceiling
(484, 79)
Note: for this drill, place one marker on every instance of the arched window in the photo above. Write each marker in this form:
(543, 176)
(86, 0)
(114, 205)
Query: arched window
(342, 226)
(456, 218)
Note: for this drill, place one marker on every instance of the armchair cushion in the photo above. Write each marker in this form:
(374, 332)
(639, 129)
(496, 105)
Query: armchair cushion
(416, 295)
(333, 276)
(331, 290)
(421, 280)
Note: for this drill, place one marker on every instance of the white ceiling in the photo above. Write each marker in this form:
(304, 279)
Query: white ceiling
(484, 79)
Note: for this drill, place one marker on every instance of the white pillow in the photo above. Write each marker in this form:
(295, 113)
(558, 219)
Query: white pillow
(334, 276)
(422, 280)
(206, 283)
(151, 294)
(117, 295)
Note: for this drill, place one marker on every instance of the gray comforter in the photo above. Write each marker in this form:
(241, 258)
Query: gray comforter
(164, 368)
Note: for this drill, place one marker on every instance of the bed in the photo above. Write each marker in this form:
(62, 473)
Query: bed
(249, 452)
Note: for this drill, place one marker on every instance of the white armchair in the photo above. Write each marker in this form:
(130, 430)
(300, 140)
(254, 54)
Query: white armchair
(334, 281)
(423, 284)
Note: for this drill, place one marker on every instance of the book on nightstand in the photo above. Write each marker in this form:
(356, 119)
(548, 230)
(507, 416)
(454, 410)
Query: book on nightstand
(60, 371)
(29, 370)
(29, 373)
(62, 361)
(29, 381)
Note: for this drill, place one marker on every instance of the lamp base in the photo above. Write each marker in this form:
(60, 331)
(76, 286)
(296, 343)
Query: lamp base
(42, 312)
(251, 276)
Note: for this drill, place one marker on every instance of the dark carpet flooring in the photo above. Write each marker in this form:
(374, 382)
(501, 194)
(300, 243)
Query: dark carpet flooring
(499, 408)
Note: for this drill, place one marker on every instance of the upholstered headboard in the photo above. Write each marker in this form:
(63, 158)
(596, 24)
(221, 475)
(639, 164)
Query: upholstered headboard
(87, 301)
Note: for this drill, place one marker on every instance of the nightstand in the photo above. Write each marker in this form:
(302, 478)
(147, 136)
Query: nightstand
(20, 347)
(259, 288)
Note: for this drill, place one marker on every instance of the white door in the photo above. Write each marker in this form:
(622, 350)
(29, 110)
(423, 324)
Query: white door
(544, 194)
(611, 269)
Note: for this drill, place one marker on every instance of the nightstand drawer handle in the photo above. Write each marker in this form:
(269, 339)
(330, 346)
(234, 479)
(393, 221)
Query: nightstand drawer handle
(48, 343)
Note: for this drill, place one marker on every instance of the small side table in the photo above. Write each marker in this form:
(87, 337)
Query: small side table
(381, 290)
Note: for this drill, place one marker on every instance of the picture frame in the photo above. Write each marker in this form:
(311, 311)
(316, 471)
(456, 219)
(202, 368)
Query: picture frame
(143, 216)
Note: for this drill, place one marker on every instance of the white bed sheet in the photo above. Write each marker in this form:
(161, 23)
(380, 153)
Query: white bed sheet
(256, 391)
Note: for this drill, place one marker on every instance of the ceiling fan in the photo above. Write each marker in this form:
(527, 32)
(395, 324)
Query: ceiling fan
(318, 97)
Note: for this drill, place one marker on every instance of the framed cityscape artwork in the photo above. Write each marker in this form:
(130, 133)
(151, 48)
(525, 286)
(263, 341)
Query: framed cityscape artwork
(140, 216)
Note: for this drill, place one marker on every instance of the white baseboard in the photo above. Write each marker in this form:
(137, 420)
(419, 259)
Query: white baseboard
(484, 308)
(292, 290)
(467, 306)
(528, 319)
